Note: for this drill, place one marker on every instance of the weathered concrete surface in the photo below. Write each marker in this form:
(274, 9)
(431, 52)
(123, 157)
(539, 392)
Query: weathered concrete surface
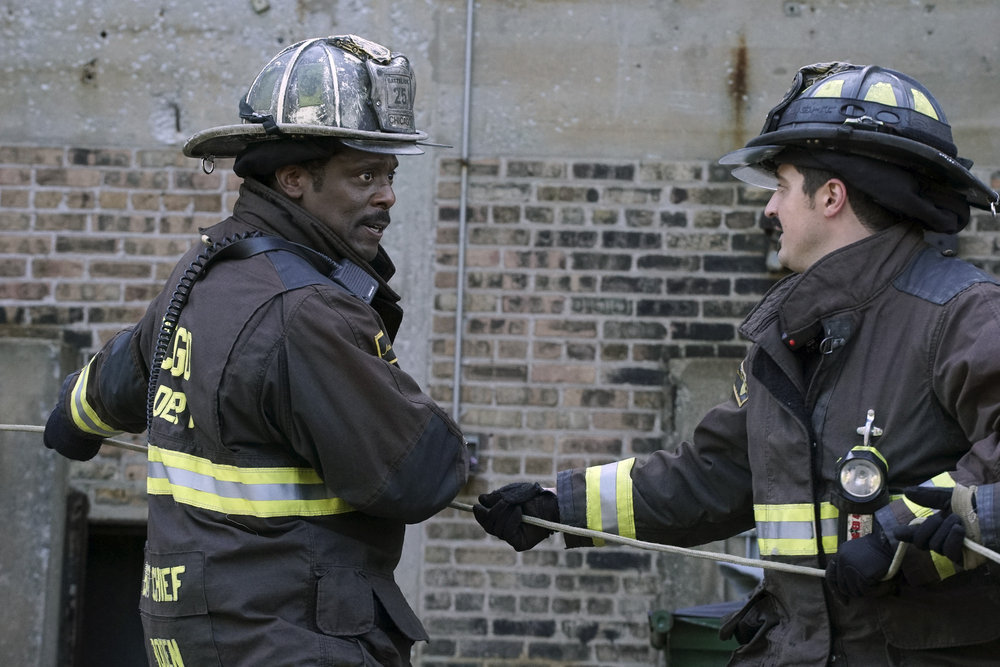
(677, 78)
(32, 495)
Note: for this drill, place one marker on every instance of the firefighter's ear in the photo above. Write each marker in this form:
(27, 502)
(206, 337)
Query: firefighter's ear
(832, 196)
(292, 180)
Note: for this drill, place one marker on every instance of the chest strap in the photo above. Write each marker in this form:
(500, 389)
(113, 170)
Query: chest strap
(345, 273)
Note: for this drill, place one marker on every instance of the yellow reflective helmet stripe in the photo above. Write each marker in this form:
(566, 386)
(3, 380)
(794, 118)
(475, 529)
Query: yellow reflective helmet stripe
(609, 499)
(83, 414)
(922, 104)
(260, 492)
(829, 88)
(882, 93)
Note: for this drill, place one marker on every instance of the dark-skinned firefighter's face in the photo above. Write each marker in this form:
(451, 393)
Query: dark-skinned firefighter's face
(351, 194)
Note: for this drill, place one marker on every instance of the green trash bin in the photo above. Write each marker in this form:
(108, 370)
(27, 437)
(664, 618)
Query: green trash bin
(690, 636)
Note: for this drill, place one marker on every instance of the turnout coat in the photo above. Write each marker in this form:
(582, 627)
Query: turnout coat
(287, 451)
(886, 324)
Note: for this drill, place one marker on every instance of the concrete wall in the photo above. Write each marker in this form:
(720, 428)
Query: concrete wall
(677, 78)
(32, 495)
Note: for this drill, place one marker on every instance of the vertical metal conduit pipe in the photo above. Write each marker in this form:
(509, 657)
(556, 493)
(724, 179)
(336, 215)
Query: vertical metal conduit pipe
(456, 400)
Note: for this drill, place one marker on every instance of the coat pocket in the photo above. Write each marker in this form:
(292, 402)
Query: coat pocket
(345, 604)
(753, 621)
(174, 610)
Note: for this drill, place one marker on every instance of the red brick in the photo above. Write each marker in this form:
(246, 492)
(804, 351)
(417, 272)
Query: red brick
(563, 373)
(56, 268)
(72, 177)
(12, 267)
(24, 245)
(24, 291)
(31, 155)
(76, 222)
(15, 176)
(90, 292)
(12, 198)
(14, 221)
(125, 270)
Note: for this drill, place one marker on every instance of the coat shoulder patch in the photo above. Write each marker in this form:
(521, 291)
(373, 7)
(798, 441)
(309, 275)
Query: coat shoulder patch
(383, 347)
(740, 390)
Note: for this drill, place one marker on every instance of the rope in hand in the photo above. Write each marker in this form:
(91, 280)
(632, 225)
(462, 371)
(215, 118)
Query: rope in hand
(617, 539)
(654, 546)
(27, 428)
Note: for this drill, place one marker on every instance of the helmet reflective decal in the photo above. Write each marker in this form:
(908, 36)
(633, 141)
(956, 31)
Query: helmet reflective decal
(829, 88)
(872, 113)
(922, 104)
(881, 92)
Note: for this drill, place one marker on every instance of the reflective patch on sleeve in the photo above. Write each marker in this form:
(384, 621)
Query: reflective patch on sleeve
(84, 415)
(609, 499)
(740, 390)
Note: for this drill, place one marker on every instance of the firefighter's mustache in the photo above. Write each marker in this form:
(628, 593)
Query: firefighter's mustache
(380, 219)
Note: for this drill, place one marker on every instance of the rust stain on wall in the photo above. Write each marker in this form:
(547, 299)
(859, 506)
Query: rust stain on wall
(737, 88)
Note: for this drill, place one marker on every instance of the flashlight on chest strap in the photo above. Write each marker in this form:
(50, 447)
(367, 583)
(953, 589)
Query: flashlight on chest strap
(862, 476)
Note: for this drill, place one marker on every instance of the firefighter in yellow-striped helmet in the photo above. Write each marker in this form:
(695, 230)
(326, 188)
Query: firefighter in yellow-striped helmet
(878, 124)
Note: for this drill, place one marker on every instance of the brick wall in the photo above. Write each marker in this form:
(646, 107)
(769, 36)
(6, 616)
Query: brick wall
(87, 238)
(585, 282)
(89, 235)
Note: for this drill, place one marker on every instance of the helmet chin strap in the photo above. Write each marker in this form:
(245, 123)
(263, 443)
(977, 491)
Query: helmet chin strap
(266, 120)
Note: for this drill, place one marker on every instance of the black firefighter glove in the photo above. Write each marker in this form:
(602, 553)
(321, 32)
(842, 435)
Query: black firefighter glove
(860, 564)
(63, 436)
(499, 513)
(945, 530)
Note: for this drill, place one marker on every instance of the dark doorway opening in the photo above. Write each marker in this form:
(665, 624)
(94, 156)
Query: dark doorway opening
(110, 630)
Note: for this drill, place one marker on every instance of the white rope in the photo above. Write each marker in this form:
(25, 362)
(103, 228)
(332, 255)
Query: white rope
(618, 539)
(28, 428)
(653, 546)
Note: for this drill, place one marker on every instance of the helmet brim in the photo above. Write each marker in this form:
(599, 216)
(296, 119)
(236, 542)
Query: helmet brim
(384, 147)
(754, 163)
(231, 140)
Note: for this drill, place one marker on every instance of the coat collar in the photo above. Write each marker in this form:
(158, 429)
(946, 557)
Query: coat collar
(841, 281)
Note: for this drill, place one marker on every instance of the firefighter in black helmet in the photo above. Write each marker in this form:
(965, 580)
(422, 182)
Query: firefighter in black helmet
(869, 399)
(287, 448)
